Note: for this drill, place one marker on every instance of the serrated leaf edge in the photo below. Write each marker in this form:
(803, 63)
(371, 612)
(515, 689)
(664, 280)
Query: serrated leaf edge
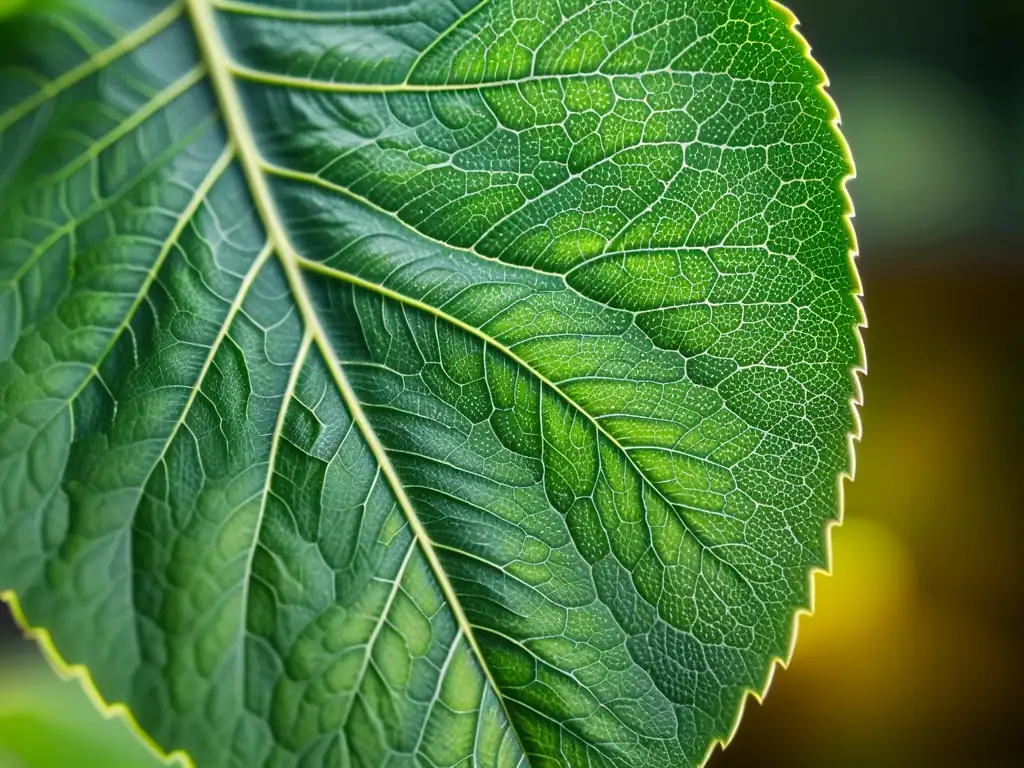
(857, 372)
(67, 672)
(80, 672)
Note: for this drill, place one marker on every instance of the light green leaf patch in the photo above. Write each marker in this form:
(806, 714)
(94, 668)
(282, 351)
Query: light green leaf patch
(422, 383)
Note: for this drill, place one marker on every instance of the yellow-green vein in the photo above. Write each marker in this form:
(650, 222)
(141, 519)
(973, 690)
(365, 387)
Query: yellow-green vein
(601, 430)
(198, 198)
(93, 64)
(212, 48)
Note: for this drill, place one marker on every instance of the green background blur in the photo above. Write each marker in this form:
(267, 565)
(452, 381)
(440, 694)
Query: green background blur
(912, 658)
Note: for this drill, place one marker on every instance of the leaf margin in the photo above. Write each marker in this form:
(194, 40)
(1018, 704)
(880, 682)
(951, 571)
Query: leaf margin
(80, 673)
(856, 373)
(194, 9)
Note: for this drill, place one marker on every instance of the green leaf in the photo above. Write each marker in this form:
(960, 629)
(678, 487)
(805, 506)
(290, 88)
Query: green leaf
(431, 382)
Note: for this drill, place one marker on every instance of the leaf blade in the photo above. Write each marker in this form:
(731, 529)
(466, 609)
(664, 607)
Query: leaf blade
(568, 378)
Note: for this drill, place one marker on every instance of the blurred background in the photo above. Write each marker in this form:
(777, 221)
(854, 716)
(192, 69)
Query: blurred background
(913, 656)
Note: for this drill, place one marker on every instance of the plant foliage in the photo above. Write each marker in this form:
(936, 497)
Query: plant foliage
(433, 382)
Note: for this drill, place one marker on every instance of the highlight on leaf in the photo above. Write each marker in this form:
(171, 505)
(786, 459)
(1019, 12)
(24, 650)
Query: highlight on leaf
(421, 382)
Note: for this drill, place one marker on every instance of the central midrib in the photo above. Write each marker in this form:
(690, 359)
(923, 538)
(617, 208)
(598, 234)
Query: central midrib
(212, 47)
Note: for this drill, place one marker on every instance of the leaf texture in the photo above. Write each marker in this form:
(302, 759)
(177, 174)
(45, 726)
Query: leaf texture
(421, 382)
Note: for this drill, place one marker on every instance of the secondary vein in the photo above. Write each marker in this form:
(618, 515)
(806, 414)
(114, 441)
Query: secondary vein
(601, 429)
(213, 49)
(93, 64)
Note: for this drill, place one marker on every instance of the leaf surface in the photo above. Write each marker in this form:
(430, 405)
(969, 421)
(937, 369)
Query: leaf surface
(429, 382)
